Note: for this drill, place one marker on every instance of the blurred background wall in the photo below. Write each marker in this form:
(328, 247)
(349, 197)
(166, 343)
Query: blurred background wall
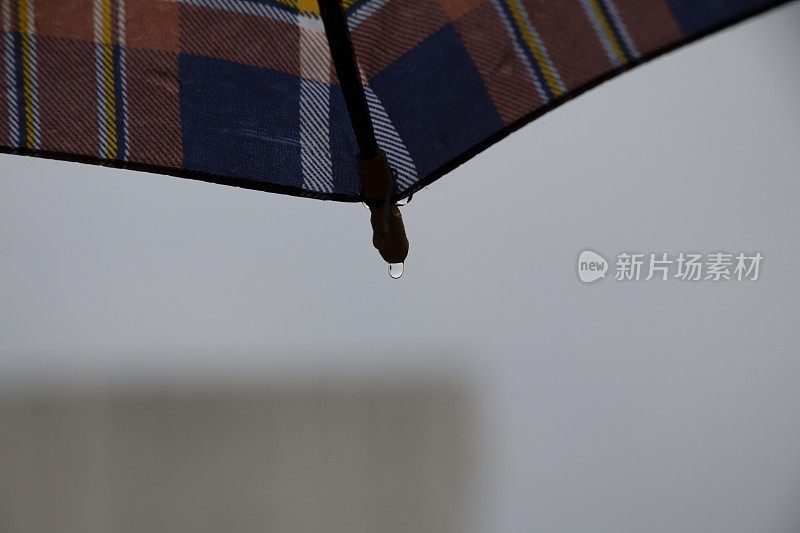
(166, 346)
(298, 458)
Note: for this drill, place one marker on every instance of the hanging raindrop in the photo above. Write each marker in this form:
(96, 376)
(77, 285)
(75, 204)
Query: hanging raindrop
(395, 270)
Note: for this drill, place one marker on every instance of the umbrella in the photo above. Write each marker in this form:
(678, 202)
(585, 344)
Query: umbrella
(348, 100)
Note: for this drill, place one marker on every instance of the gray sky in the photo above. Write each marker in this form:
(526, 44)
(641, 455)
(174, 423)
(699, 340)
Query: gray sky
(660, 406)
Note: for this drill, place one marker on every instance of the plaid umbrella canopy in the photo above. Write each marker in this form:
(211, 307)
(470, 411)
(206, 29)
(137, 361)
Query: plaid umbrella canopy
(246, 92)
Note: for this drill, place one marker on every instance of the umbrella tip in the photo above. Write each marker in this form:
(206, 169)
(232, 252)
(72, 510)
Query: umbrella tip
(378, 192)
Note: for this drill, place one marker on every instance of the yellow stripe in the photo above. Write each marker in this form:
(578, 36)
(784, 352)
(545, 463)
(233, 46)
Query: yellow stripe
(27, 77)
(106, 27)
(609, 32)
(310, 7)
(108, 77)
(537, 52)
(111, 116)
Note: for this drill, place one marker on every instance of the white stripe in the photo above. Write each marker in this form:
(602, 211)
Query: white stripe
(363, 12)
(124, 149)
(542, 47)
(623, 31)
(390, 141)
(12, 94)
(244, 7)
(519, 51)
(34, 72)
(608, 47)
(315, 150)
(102, 111)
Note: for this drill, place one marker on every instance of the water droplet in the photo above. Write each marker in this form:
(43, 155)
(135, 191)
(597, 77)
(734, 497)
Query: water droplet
(395, 270)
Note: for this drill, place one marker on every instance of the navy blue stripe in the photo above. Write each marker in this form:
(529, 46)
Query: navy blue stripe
(278, 5)
(531, 58)
(23, 124)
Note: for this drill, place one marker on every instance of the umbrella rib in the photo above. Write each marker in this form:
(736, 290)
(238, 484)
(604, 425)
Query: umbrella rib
(344, 61)
(378, 181)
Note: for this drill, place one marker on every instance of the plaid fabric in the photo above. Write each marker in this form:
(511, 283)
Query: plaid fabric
(243, 91)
